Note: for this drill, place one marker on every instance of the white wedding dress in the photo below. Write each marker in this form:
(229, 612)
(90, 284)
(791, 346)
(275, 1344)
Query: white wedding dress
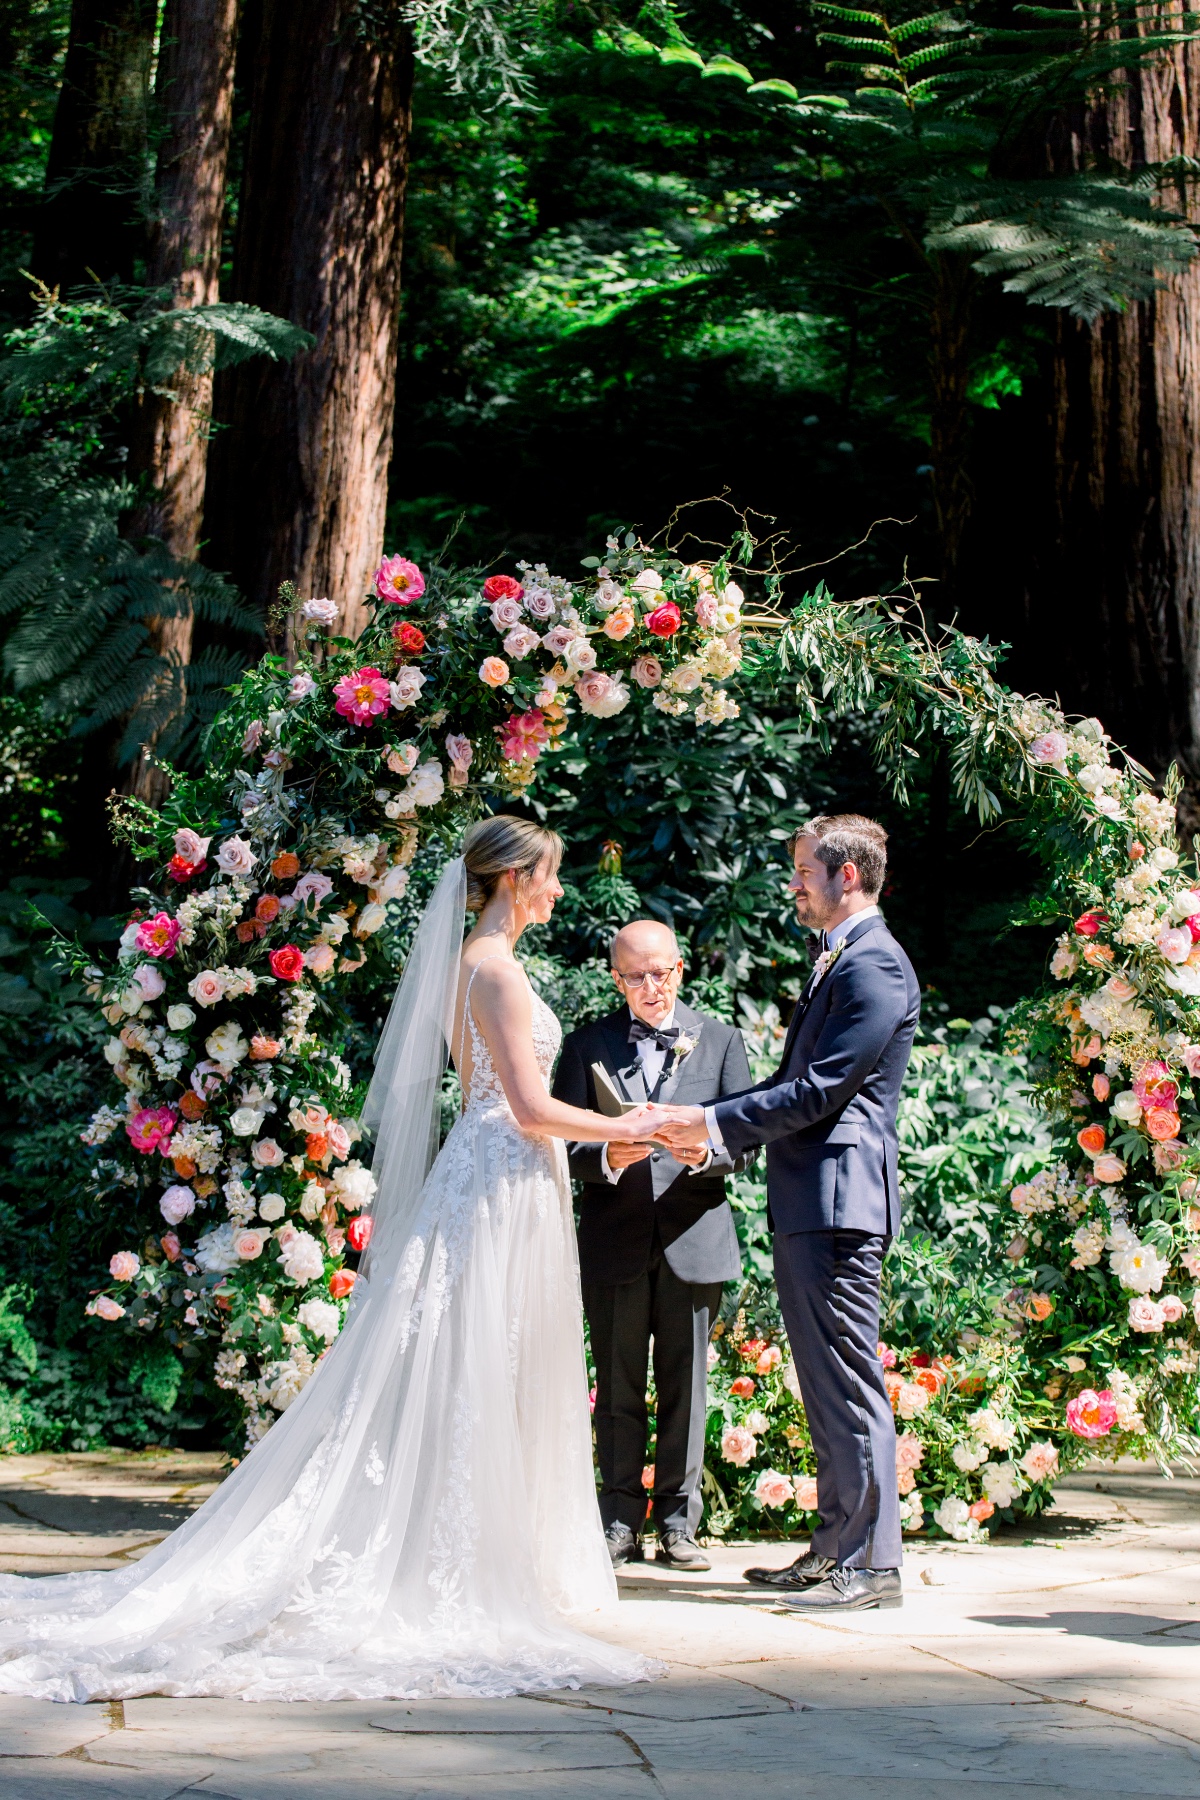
(423, 1518)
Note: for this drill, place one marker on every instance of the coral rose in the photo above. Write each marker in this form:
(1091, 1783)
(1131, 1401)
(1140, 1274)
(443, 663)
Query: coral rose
(773, 1489)
(266, 908)
(264, 1049)
(1091, 1139)
(106, 1308)
(285, 866)
(172, 1248)
(1092, 1414)
(192, 1106)
(399, 581)
(363, 696)
(124, 1265)
(493, 671)
(770, 1359)
(981, 1510)
(409, 638)
(502, 587)
(287, 963)
(665, 620)
(358, 1232)
(742, 1387)
(1161, 1124)
(341, 1282)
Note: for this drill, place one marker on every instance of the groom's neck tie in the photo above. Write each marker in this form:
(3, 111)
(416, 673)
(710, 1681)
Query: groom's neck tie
(664, 1039)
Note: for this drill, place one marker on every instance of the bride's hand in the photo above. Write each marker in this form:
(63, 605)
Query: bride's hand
(637, 1127)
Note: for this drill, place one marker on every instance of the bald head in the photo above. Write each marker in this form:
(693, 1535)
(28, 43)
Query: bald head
(647, 968)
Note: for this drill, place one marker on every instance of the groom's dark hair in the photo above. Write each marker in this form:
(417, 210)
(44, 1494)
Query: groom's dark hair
(849, 837)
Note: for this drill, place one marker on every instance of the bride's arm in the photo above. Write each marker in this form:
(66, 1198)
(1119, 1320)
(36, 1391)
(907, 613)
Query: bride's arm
(501, 1005)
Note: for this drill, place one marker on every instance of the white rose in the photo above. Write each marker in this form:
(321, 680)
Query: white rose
(425, 786)
(1126, 1107)
(648, 582)
(272, 1207)
(371, 919)
(321, 1317)
(235, 857)
(180, 1017)
(580, 654)
(313, 1199)
(246, 1121)
(392, 885)
(405, 691)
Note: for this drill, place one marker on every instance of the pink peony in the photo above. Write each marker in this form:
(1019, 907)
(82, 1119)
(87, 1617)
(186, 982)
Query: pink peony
(145, 984)
(886, 1355)
(159, 936)
(1040, 1462)
(772, 1489)
(363, 696)
(124, 1265)
(805, 1489)
(493, 671)
(1174, 943)
(1092, 1414)
(1145, 1314)
(1153, 1085)
(1051, 748)
(524, 735)
(151, 1128)
(399, 581)
(647, 671)
(1171, 1307)
(738, 1445)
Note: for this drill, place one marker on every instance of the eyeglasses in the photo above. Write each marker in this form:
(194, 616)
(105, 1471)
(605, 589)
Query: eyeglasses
(658, 976)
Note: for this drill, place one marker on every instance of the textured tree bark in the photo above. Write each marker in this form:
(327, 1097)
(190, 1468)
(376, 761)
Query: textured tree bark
(950, 366)
(1126, 432)
(92, 220)
(300, 486)
(194, 89)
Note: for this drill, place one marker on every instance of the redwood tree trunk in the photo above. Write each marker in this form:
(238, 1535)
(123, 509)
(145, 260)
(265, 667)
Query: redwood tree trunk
(1126, 424)
(950, 366)
(195, 105)
(92, 220)
(300, 488)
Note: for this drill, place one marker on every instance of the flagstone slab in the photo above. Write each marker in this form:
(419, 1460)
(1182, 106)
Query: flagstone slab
(64, 1778)
(44, 1728)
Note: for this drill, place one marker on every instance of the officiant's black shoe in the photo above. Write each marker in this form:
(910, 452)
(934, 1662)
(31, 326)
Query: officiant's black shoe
(681, 1551)
(849, 1590)
(805, 1572)
(623, 1545)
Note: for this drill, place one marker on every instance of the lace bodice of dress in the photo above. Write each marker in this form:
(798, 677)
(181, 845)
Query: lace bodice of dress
(485, 1088)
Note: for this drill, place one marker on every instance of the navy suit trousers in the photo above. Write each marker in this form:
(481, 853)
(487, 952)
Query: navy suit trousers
(829, 1292)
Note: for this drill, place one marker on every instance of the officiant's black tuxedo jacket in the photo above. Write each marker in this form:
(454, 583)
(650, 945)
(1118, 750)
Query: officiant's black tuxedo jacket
(617, 1220)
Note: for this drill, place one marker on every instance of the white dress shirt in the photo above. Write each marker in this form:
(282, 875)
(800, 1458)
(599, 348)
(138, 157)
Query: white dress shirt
(833, 938)
(653, 1058)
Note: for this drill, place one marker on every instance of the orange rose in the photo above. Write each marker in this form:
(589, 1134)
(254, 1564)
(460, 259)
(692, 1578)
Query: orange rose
(266, 908)
(1091, 1139)
(185, 1168)
(191, 1105)
(316, 1147)
(286, 866)
(1161, 1123)
(494, 671)
(930, 1379)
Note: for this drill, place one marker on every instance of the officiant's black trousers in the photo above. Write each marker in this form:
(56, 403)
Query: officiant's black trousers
(622, 1319)
(829, 1295)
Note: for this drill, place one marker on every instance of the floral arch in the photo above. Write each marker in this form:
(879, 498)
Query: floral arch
(280, 873)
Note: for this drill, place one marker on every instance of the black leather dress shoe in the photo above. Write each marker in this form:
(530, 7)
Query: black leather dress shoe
(849, 1590)
(804, 1572)
(624, 1546)
(681, 1551)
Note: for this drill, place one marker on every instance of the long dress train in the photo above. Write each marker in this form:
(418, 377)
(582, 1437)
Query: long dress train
(423, 1518)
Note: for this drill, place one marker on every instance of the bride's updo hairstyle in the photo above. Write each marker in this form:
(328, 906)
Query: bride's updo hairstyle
(493, 846)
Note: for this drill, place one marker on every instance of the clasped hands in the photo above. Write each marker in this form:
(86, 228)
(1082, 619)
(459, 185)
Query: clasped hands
(680, 1129)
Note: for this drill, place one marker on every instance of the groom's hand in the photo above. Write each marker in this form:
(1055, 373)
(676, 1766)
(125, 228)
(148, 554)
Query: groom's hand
(684, 1132)
(620, 1156)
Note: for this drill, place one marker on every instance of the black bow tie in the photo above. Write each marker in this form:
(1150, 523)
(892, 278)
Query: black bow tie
(663, 1038)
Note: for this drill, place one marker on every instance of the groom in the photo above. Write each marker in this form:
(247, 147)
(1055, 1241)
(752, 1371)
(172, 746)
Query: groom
(828, 1118)
(656, 1242)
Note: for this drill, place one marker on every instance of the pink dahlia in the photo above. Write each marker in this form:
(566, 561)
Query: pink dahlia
(151, 1128)
(159, 936)
(398, 580)
(363, 696)
(1092, 1414)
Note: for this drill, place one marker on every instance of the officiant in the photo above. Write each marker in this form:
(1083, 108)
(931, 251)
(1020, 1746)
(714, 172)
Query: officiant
(656, 1241)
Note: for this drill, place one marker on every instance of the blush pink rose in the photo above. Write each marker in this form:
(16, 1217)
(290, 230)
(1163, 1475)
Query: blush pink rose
(520, 641)
(1108, 1169)
(1101, 1087)
(805, 1490)
(1092, 1414)
(106, 1308)
(249, 1244)
(320, 612)
(559, 639)
(647, 671)
(124, 1265)
(1191, 1059)
(320, 958)
(506, 613)
(192, 848)
(1145, 1314)
(339, 1139)
(1171, 1307)
(619, 623)
(1050, 748)
(267, 1154)
(706, 611)
(738, 1445)
(301, 686)
(772, 1489)
(910, 1451)
(1167, 1157)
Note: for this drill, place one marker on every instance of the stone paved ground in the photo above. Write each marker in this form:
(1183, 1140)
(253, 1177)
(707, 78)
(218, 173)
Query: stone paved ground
(1061, 1662)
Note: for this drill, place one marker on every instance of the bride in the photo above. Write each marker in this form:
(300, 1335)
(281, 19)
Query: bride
(423, 1518)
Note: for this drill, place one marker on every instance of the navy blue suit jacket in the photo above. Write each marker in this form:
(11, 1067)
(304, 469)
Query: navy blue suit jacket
(828, 1114)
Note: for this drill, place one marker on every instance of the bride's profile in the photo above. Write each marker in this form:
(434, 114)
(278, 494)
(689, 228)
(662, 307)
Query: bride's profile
(423, 1519)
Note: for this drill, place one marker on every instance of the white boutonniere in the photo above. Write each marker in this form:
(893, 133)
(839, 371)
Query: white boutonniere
(683, 1046)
